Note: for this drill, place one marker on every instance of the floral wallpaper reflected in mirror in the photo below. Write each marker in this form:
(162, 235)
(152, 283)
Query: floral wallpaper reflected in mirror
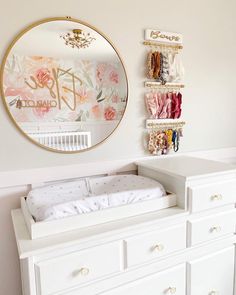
(64, 85)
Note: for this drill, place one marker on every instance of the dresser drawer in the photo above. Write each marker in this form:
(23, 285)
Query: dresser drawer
(208, 228)
(171, 281)
(70, 270)
(212, 195)
(213, 274)
(155, 244)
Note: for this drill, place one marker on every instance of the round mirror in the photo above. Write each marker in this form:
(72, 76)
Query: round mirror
(64, 85)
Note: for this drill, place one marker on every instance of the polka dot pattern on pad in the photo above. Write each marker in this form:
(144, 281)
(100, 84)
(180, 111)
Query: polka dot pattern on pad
(91, 194)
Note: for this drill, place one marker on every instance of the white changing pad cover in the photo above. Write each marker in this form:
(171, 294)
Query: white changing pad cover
(92, 194)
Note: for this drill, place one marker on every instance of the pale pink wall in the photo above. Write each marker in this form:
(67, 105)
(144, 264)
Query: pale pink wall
(10, 283)
(209, 97)
(206, 26)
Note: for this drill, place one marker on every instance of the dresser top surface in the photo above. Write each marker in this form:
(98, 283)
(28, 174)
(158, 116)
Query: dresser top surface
(187, 167)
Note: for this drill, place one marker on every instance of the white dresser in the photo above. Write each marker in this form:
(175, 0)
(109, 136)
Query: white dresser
(187, 249)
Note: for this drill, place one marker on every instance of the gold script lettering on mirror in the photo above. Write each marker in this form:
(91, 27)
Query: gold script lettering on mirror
(64, 85)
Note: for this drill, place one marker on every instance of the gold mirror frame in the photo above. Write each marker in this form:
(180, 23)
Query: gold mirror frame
(19, 35)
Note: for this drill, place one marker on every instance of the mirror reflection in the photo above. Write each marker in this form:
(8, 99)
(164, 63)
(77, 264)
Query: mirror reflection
(64, 85)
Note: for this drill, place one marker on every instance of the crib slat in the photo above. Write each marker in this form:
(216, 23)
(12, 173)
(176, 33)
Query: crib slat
(69, 145)
(53, 143)
(77, 141)
(64, 142)
(61, 142)
(49, 141)
(73, 142)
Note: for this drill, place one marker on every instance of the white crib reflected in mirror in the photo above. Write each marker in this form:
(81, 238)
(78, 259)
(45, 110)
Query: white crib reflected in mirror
(68, 136)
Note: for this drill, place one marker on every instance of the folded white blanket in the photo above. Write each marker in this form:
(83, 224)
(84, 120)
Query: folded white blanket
(92, 194)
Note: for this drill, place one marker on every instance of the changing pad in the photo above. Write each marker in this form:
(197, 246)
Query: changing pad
(90, 194)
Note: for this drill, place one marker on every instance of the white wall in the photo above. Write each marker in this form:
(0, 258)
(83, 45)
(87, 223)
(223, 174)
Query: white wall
(209, 29)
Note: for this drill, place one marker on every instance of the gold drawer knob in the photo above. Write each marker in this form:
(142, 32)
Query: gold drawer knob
(217, 197)
(214, 292)
(215, 229)
(171, 290)
(84, 271)
(158, 247)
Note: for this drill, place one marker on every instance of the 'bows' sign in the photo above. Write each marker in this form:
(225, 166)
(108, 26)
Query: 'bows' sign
(165, 37)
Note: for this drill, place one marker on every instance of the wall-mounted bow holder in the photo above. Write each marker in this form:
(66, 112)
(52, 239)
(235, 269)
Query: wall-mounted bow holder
(164, 135)
(164, 97)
